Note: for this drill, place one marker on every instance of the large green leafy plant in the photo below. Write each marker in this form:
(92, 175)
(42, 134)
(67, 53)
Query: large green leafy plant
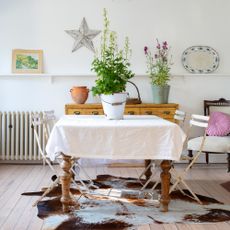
(111, 64)
(158, 64)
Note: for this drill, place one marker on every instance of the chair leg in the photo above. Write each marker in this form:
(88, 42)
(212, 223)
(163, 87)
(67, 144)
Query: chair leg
(148, 181)
(48, 190)
(193, 194)
(178, 180)
(148, 172)
(145, 170)
(174, 176)
(207, 157)
(190, 154)
(76, 169)
(228, 159)
(91, 184)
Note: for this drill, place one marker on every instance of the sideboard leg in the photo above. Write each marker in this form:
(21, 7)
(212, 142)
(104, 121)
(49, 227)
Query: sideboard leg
(165, 184)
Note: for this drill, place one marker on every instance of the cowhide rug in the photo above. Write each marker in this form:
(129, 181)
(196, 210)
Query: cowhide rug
(125, 208)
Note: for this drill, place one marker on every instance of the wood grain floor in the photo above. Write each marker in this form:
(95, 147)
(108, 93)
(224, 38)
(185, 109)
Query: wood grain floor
(17, 213)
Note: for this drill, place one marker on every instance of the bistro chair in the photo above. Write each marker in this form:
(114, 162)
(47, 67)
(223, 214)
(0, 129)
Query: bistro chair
(42, 124)
(179, 117)
(179, 177)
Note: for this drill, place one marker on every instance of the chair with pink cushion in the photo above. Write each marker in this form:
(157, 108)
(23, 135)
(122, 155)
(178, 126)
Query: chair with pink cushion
(218, 130)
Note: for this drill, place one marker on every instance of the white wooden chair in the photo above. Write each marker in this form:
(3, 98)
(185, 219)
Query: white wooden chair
(50, 120)
(42, 124)
(179, 177)
(179, 117)
(41, 135)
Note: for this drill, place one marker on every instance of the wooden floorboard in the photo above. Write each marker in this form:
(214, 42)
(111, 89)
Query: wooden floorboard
(17, 213)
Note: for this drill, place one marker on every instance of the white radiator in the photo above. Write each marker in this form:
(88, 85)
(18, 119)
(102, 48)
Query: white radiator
(17, 141)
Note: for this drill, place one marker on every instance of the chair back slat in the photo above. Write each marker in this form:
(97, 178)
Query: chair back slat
(199, 120)
(179, 115)
(49, 115)
(49, 120)
(36, 119)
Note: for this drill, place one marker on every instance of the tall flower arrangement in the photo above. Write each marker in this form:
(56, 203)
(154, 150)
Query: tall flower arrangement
(158, 63)
(111, 64)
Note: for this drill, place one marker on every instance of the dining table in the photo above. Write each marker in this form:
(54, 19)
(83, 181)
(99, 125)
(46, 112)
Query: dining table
(133, 137)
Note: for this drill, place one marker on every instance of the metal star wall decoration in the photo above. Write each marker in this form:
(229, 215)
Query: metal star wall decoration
(83, 36)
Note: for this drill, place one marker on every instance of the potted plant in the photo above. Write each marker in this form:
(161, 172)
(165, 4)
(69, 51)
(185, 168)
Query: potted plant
(112, 67)
(158, 68)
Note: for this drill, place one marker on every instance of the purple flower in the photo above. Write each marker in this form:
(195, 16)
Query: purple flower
(158, 60)
(165, 45)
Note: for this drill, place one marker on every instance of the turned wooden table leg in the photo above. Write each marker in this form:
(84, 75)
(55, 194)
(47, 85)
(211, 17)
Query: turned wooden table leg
(148, 173)
(165, 184)
(66, 198)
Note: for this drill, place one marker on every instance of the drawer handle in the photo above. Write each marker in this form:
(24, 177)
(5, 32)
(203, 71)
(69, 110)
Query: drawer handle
(131, 112)
(166, 112)
(148, 112)
(95, 112)
(77, 112)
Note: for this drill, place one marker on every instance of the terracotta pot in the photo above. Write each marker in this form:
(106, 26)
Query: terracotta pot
(79, 94)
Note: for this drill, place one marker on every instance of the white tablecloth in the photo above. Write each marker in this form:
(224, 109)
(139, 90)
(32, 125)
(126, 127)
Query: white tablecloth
(134, 137)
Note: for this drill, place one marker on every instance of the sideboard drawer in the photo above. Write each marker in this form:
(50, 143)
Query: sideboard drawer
(85, 112)
(132, 111)
(166, 113)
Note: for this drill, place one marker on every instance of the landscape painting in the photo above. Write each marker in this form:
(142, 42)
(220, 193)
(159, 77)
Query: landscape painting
(27, 61)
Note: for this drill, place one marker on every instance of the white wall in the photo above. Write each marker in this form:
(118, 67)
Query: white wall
(30, 24)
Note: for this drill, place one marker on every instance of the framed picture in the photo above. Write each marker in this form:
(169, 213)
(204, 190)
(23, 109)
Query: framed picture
(27, 61)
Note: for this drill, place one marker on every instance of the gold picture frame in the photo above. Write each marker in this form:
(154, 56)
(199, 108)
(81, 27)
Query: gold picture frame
(27, 61)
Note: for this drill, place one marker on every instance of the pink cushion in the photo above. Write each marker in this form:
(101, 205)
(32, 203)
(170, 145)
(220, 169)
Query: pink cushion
(219, 124)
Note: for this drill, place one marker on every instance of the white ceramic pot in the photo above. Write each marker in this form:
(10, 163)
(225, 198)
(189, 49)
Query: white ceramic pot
(114, 105)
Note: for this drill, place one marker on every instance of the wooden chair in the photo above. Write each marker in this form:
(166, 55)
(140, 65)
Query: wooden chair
(179, 177)
(213, 144)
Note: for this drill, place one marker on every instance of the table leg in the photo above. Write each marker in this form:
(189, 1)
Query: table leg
(66, 198)
(165, 184)
(148, 173)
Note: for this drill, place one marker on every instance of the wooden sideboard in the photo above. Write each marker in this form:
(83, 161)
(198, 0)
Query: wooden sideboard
(165, 111)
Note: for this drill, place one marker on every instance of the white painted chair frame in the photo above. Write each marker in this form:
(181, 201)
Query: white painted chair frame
(50, 120)
(198, 121)
(179, 116)
(39, 127)
(41, 123)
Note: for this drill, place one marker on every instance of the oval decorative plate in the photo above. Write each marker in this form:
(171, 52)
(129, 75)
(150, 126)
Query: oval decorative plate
(200, 59)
